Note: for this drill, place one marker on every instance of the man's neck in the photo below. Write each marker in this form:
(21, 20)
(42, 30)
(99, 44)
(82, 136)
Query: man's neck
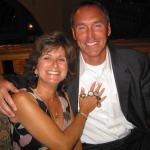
(95, 60)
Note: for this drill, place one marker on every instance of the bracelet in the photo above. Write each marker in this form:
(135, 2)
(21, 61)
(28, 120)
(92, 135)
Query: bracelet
(83, 114)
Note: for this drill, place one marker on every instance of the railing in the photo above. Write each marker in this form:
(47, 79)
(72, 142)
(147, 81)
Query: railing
(18, 54)
(141, 45)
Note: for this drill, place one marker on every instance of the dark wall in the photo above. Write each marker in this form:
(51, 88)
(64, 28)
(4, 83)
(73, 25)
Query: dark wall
(129, 18)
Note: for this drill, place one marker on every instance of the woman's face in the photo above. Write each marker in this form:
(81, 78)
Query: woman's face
(52, 66)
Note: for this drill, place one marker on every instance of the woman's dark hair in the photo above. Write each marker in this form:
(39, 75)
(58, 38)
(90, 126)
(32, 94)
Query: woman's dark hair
(45, 43)
(89, 3)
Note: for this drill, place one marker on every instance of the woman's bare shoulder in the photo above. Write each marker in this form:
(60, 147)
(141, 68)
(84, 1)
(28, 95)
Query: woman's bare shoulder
(22, 96)
(23, 101)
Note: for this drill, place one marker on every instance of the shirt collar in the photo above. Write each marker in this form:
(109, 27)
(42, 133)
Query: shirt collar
(108, 62)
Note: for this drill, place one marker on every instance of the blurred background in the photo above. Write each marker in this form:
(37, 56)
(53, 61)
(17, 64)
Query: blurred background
(23, 20)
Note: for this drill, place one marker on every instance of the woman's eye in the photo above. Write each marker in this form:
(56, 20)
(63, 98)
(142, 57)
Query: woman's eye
(46, 57)
(62, 60)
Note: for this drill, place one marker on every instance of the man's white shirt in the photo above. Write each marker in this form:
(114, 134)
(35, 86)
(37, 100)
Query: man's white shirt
(106, 123)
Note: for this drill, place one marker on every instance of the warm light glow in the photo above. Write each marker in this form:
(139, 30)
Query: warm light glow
(30, 26)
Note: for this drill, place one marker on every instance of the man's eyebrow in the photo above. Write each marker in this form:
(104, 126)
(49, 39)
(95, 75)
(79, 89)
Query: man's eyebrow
(79, 24)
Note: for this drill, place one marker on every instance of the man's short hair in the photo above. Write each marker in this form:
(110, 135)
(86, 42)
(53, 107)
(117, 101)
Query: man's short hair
(89, 3)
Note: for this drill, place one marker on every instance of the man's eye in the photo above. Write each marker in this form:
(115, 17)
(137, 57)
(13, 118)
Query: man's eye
(98, 25)
(81, 28)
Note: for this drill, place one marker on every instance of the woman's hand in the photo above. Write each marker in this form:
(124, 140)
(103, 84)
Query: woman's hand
(92, 99)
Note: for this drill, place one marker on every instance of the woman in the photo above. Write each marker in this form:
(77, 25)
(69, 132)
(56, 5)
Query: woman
(44, 119)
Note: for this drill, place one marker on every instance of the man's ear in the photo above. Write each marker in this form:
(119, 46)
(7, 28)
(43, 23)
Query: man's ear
(73, 33)
(109, 29)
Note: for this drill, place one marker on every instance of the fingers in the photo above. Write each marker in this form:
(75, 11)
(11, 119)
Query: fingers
(94, 92)
(82, 94)
(4, 84)
(101, 91)
(93, 86)
(98, 87)
(102, 98)
(5, 109)
(7, 105)
(88, 104)
(82, 90)
(12, 88)
(6, 97)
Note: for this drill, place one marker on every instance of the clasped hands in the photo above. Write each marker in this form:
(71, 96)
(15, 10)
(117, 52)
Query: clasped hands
(95, 90)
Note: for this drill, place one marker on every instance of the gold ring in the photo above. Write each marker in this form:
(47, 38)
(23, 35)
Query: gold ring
(82, 96)
(98, 98)
(98, 103)
(90, 93)
(96, 93)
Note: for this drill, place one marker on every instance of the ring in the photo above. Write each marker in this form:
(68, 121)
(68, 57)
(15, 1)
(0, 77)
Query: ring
(82, 96)
(96, 93)
(98, 98)
(98, 103)
(90, 93)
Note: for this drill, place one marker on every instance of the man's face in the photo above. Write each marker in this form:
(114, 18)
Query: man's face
(91, 30)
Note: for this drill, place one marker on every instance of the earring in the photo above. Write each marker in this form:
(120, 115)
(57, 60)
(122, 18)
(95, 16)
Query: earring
(36, 73)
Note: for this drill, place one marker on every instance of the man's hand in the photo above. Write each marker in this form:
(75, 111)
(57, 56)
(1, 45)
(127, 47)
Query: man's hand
(7, 106)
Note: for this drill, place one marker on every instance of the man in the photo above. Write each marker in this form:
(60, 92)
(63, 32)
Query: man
(123, 120)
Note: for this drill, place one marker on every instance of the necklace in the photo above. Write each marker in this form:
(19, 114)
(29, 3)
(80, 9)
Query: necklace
(53, 107)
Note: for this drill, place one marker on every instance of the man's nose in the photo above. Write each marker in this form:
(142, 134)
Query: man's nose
(90, 33)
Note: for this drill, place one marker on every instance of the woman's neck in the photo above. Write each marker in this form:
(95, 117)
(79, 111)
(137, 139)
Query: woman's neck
(46, 93)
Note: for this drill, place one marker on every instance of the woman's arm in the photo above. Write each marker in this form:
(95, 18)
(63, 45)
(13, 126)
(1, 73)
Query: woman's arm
(78, 146)
(42, 127)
